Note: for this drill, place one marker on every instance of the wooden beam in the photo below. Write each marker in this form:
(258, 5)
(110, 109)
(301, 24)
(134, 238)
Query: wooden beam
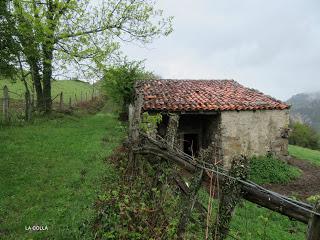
(254, 194)
(314, 225)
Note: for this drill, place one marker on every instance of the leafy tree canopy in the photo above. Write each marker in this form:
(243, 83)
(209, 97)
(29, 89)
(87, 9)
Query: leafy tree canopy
(8, 46)
(79, 36)
(119, 81)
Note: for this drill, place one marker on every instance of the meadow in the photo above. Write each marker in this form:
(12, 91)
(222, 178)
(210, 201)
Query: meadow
(52, 172)
(310, 155)
(54, 169)
(70, 88)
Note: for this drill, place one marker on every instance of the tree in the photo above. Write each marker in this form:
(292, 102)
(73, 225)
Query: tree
(119, 81)
(55, 34)
(303, 135)
(8, 46)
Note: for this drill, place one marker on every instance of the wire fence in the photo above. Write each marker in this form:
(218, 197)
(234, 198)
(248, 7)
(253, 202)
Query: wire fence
(255, 218)
(15, 106)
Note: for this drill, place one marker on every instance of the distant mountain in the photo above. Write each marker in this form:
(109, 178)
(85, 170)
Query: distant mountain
(305, 107)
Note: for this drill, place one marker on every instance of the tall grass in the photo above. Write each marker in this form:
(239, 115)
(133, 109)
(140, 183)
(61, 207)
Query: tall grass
(51, 174)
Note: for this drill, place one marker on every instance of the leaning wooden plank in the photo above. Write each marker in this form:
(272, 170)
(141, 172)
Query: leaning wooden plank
(251, 193)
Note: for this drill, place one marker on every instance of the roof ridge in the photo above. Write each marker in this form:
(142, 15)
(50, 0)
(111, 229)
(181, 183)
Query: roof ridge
(208, 95)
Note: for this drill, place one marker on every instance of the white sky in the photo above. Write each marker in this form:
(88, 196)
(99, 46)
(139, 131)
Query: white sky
(273, 45)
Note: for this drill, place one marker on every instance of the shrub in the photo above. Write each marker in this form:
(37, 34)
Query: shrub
(137, 207)
(304, 135)
(271, 170)
(119, 81)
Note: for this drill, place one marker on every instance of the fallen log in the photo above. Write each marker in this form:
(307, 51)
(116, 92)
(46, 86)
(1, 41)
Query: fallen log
(255, 194)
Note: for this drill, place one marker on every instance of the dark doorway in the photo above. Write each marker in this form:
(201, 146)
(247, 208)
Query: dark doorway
(191, 144)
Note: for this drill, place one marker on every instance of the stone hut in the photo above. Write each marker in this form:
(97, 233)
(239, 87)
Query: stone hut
(222, 113)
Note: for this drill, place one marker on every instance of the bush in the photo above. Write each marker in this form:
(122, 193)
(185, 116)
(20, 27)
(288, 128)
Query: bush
(304, 135)
(137, 207)
(119, 81)
(271, 170)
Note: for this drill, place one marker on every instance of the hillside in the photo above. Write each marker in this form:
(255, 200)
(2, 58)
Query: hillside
(306, 108)
(52, 172)
(68, 87)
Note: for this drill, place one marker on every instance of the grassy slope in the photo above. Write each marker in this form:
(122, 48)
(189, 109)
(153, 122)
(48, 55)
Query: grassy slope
(69, 88)
(304, 153)
(251, 222)
(271, 170)
(50, 174)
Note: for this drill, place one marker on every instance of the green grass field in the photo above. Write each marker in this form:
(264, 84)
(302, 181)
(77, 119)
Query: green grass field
(312, 156)
(53, 171)
(51, 174)
(68, 87)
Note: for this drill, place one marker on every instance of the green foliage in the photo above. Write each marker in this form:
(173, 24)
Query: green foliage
(79, 35)
(52, 172)
(119, 81)
(251, 222)
(150, 122)
(314, 199)
(304, 135)
(312, 156)
(8, 46)
(271, 170)
(138, 207)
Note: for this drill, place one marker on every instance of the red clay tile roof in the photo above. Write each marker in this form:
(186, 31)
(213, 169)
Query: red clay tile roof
(204, 95)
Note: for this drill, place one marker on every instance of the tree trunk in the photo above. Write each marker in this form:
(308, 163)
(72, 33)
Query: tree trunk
(36, 78)
(48, 56)
(47, 74)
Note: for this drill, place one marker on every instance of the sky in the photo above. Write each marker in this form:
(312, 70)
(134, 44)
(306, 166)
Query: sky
(272, 46)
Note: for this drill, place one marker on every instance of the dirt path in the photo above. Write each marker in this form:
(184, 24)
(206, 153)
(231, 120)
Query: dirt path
(306, 185)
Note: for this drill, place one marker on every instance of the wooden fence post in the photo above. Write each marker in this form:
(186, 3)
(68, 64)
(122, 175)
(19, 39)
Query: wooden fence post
(81, 96)
(134, 125)
(61, 102)
(172, 129)
(314, 224)
(28, 106)
(86, 97)
(6, 104)
(70, 102)
(75, 98)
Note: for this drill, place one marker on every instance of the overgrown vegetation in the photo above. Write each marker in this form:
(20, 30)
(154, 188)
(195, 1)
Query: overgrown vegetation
(52, 171)
(304, 135)
(310, 155)
(138, 207)
(271, 170)
(119, 81)
(251, 222)
(61, 36)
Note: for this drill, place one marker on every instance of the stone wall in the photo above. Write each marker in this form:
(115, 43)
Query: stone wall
(254, 133)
